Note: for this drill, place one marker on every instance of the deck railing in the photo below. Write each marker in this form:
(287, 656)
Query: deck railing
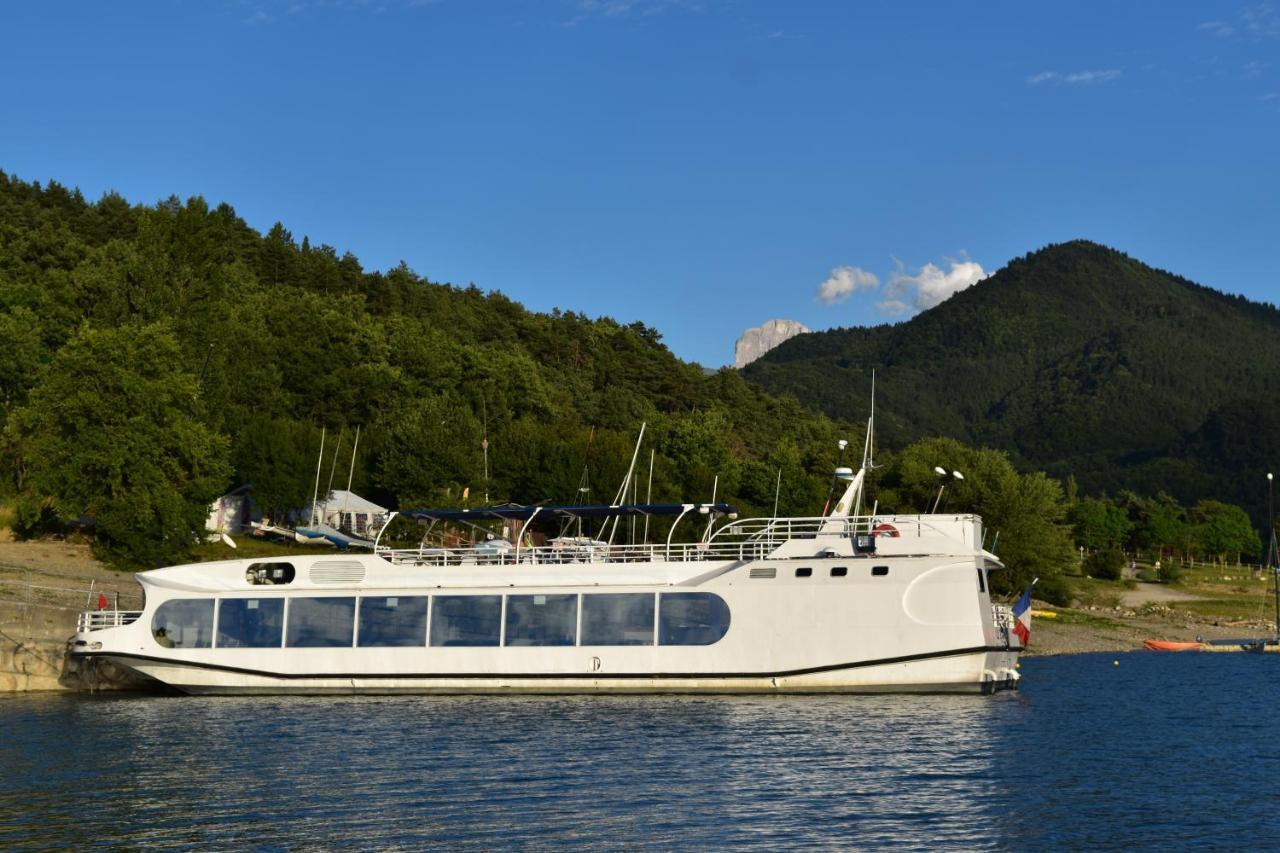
(96, 620)
(743, 539)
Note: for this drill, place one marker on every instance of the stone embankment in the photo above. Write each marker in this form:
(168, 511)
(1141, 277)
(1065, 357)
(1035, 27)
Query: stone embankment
(38, 610)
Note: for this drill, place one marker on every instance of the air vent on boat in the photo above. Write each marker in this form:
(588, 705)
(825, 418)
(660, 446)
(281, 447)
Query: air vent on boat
(764, 572)
(337, 571)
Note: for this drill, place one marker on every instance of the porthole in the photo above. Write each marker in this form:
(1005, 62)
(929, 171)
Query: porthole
(839, 571)
(804, 573)
(879, 571)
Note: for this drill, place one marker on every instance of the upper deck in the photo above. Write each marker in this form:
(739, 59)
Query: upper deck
(582, 561)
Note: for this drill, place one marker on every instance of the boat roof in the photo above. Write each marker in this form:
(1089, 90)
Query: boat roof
(524, 513)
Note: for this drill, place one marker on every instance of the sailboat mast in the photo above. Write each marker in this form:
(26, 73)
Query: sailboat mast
(1273, 557)
(316, 493)
(351, 473)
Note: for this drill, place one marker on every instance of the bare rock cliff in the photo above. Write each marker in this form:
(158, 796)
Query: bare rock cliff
(758, 341)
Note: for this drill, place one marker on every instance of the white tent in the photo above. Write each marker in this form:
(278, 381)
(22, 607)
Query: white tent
(231, 512)
(348, 511)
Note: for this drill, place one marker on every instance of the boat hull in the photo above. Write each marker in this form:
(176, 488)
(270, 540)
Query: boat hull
(970, 671)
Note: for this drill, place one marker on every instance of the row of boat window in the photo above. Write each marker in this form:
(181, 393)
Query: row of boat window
(842, 571)
(601, 619)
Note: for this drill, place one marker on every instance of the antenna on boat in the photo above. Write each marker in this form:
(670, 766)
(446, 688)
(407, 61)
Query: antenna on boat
(711, 515)
(316, 493)
(777, 491)
(835, 476)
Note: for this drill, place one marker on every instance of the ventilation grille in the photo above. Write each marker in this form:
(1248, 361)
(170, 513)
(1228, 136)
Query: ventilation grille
(337, 571)
(765, 572)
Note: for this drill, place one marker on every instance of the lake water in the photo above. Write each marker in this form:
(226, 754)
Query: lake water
(1161, 751)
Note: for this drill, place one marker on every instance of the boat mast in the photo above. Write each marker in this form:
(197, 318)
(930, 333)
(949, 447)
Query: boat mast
(315, 496)
(1273, 556)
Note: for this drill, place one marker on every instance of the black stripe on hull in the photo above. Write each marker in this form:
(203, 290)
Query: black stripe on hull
(124, 657)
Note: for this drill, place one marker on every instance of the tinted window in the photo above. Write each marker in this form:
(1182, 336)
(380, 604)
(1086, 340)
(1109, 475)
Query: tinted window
(393, 621)
(839, 571)
(617, 619)
(250, 622)
(465, 620)
(269, 573)
(803, 573)
(879, 571)
(542, 620)
(691, 618)
(320, 622)
(184, 624)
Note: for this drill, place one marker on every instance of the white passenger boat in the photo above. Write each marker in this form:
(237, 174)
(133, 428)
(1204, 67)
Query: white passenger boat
(835, 603)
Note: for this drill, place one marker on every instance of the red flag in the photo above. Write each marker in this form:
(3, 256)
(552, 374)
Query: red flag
(102, 601)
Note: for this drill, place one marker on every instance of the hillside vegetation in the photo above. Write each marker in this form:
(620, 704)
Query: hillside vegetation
(1077, 360)
(155, 356)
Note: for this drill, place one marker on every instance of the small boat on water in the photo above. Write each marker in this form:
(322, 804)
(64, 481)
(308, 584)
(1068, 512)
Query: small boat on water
(1172, 646)
(843, 602)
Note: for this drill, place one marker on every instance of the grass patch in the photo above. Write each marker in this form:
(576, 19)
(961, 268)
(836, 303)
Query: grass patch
(8, 515)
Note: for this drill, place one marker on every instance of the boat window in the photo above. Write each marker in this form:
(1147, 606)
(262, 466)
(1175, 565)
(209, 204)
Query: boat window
(542, 620)
(466, 620)
(250, 622)
(269, 573)
(982, 581)
(839, 571)
(393, 620)
(691, 618)
(184, 623)
(879, 571)
(617, 619)
(804, 573)
(320, 622)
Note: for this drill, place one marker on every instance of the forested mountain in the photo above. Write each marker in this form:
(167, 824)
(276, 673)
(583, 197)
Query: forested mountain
(155, 356)
(1077, 360)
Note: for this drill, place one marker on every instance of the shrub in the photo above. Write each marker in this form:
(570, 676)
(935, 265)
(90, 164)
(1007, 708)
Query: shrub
(1169, 572)
(1105, 564)
(1054, 589)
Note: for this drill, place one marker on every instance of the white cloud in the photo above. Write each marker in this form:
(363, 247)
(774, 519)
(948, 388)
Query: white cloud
(906, 292)
(844, 282)
(1221, 29)
(1075, 78)
(1254, 22)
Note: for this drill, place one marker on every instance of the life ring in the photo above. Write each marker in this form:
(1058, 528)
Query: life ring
(885, 530)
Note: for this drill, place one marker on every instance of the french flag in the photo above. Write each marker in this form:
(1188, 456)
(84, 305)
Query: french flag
(1022, 617)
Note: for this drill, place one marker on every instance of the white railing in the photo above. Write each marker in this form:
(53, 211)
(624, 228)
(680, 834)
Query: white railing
(96, 620)
(681, 552)
(743, 539)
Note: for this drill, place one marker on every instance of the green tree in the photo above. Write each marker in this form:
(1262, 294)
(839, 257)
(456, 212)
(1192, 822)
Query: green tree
(113, 433)
(1224, 531)
(1098, 523)
(1026, 511)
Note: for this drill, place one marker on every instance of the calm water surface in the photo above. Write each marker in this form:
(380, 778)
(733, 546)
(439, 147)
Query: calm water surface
(1159, 752)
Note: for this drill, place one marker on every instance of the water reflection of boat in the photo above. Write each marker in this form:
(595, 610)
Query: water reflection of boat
(843, 602)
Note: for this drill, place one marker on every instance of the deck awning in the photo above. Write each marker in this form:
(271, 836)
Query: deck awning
(524, 513)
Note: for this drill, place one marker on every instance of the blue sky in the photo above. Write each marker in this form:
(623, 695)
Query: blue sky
(698, 166)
